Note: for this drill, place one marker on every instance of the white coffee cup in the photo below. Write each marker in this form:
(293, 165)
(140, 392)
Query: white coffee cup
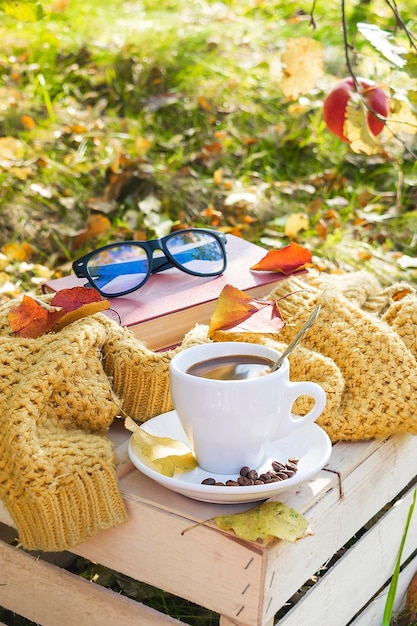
(228, 422)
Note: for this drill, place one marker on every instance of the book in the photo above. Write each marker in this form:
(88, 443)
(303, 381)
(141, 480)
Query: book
(170, 303)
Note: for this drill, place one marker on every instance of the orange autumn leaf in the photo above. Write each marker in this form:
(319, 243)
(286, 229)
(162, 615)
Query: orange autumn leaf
(97, 224)
(287, 260)
(238, 311)
(18, 251)
(32, 318)
(28, 122)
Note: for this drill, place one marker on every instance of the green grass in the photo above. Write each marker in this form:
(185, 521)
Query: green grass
(103, 80)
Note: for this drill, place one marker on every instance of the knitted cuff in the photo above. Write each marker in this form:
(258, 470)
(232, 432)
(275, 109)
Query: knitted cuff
(77, 508)
(140, 376)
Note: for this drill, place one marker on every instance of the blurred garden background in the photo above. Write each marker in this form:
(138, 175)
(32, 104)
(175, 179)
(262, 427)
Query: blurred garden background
(124, 120)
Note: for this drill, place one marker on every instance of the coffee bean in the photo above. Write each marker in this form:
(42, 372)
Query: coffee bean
(277, 466)
(289, 473)
(248, 477)
(208, 481)
(291, 466)
(281, 475)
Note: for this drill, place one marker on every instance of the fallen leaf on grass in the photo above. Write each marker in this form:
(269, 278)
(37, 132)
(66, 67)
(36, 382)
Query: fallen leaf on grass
(237, 312)
(18, 251)
(286, 260)
(266, 521)
(166, 455)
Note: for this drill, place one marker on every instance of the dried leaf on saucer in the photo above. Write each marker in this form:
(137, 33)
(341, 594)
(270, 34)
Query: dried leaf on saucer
(266, 522)
(236, 313)
(165, 455)
(286, 260)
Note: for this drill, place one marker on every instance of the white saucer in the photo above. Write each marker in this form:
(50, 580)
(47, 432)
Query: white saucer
(311, 445)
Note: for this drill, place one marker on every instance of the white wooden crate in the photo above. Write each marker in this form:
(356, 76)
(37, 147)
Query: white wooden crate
(246, 584)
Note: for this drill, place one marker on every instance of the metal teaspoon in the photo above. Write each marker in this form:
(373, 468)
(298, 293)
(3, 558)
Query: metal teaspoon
(309, 323)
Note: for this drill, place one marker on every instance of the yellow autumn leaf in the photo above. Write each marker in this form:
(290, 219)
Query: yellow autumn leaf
(295, 223)
(356, 129)
(11, 150)
(401, 118)
(164, 454)
(218, 176)
(142, 145)
(266, 521)
(18, 251)
(303, 65)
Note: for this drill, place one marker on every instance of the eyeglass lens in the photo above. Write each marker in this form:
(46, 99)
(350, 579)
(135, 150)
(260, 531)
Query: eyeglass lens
(196, 252)
(126, 266)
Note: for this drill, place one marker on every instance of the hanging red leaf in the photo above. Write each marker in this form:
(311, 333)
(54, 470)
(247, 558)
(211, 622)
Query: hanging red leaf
(287, 260)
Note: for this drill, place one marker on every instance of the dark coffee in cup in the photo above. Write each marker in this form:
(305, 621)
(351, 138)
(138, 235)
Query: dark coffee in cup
(233, 367)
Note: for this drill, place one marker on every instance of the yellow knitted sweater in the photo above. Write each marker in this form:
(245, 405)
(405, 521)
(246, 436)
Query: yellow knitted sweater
(60, 392)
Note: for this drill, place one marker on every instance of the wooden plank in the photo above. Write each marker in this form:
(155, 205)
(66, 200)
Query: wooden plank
(49, 595)
(358, 576)
(334, 520)
(374, 612)
(203, 565)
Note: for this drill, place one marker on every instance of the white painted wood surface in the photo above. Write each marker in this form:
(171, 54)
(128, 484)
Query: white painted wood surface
(374, 612)
(245, 583)
(50, 595)
(364, 569)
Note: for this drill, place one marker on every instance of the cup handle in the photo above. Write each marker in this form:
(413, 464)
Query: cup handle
(314, 390)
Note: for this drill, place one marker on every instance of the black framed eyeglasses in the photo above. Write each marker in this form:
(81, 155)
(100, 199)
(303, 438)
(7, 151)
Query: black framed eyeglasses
(120, 268)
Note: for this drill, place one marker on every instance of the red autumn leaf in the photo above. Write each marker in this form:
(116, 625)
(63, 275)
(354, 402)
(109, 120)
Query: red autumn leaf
(78, 302)
(32, 318)
(238, 311)
(287, 260)
(75, 297)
